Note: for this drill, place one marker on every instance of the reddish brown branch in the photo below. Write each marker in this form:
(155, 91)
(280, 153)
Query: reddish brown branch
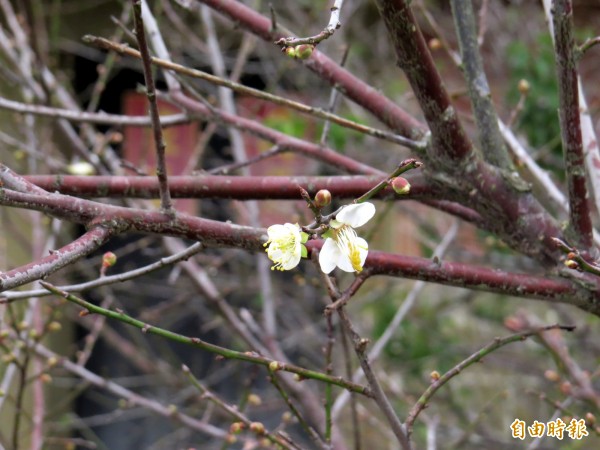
(217, 186)
(580, 224)
(214, 233)
(285, 142)
(478, 278)
(351, 86)
(57, 259)
(448, 137)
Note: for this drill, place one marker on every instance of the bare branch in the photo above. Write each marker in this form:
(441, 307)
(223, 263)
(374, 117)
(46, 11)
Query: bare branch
(475, 357)
(484, 112)
(310, 110)
(90, 117)
(159, 143)
(332, 26)
(580, 224)
(40, 269)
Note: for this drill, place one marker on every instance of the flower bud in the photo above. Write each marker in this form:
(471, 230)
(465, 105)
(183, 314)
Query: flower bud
(566, 388)
(109, 259)
(257, 427)
(46, 378)
(254, 400)
(571, 264)
(322, 198)
(434, 376)
(524, 86)
(590, 419)
(274, 366)
(236, 427)
(551, 375)
(400, 185)
(81, 168)
(54, 326)
(302, 51)
(435, 44)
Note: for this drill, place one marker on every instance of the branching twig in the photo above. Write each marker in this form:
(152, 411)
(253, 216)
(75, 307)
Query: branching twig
(58, 259)
(8, 297)
(239, 88)
(198, 343)
(128, 395)
(276, 438)
(474, 358)
(334, 24)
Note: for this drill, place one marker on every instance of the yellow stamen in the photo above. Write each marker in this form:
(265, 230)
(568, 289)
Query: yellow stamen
(346, 239)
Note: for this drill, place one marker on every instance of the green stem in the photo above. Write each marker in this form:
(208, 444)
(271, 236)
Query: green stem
(199, 343)
(404, 166)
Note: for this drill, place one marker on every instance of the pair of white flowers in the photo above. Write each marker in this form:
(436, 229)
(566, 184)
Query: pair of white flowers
(342, 248)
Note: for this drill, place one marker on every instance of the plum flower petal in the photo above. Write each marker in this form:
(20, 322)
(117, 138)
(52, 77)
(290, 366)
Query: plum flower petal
(356, 215)
(285, 246)
(344, 249)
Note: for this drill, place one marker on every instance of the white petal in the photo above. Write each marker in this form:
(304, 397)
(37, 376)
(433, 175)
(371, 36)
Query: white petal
(329, 256)
(344, 262)
(356, 215)
(363, 250)
(292, 262)
(276, 231)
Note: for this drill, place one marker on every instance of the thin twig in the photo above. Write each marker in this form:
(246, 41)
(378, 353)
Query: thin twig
(161, 164)
(301, 420)
(90, 117)
(239, 88)
(333, 100)
(9, 297)
(131, 397)
(332, 26)
(196, 342)
(276, 438)
(423, 401)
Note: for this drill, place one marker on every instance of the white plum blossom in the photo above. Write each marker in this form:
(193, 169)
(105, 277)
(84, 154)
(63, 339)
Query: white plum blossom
(285, 246)
(343, 248)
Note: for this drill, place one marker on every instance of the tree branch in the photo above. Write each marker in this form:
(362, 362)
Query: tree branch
(159, 143)
(484, 112)
(580, 224)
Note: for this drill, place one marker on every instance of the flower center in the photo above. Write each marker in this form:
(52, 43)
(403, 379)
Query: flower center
(347, 241)
(281, 250)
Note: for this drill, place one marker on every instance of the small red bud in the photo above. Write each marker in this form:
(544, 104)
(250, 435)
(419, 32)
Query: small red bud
(401, 185)
(257, 427)
(551, 375)
(323, 198)
(435, 44)
(236, 427)
(571, 264)
(109, 259)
